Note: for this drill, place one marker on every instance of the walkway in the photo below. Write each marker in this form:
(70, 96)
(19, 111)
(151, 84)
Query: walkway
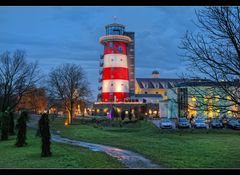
(128, 158)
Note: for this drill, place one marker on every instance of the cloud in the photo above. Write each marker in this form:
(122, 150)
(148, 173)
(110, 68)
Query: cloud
(55, 35)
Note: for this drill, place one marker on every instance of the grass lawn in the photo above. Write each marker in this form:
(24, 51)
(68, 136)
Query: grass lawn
(64, 156)
(187, 148)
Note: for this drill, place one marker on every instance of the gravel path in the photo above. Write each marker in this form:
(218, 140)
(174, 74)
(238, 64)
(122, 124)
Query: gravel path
(128, 158)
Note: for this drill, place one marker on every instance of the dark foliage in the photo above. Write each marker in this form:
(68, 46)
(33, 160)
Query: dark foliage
(11, 123)
(45, 135)
(22, 129)
(4, 125)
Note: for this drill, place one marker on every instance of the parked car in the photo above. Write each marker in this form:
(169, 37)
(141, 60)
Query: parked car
(165, 123)
(200, 123)
(215, 123)
(183, 123)
(234, 123)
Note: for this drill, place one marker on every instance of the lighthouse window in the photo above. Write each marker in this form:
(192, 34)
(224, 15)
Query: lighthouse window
(120, 49)
(111, 45)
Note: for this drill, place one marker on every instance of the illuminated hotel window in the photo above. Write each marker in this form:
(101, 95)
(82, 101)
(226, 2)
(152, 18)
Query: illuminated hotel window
(194, 98)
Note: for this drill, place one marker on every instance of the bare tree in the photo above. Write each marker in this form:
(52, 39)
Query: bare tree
(16, 76)
(68, 83)
(214, 54)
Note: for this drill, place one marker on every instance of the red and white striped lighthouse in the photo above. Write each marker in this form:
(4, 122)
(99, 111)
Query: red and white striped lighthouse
(115, 78)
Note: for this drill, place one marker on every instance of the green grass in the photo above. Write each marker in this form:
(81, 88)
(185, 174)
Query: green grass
(64, 156)
(187, 148)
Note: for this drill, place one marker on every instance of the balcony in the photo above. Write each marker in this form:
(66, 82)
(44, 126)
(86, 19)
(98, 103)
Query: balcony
(101, 64)
(99, 88)
(100, 80)
(101, 57)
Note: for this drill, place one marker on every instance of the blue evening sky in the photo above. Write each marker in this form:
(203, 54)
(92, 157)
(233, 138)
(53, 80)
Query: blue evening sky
(56, 35)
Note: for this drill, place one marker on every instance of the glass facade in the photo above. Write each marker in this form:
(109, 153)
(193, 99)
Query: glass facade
(115, 30)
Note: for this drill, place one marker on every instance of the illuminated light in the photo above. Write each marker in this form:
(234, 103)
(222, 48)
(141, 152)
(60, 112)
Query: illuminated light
(98, 110)
(194, 98)
(150, 111)
(126, 112)
(218, 110)
(146, 113)
(155, 112)
(118, 110)
(66, 123)
(229, 112)
(205, 99)
(217, 98)
(210, 114)
(228, 98)
(105, 109)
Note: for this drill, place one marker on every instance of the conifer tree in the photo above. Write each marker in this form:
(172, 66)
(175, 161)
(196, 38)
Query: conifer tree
(45, 135)
(4, 125)
(22, 129)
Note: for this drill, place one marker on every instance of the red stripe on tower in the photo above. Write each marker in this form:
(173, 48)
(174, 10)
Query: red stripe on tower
(115, 81)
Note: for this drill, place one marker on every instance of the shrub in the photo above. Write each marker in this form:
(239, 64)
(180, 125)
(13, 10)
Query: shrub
(22, 129)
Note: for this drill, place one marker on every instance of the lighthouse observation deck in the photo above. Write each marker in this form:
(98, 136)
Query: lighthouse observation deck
(110, 38)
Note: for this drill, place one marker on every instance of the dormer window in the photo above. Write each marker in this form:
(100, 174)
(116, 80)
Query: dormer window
(156, 85)
(145, 85)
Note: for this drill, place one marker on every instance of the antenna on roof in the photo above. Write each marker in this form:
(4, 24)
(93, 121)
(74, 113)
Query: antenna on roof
(115, 18)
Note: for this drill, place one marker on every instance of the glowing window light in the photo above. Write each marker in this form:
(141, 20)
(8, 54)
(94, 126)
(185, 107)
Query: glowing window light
(150, 111)
(155, 112)
(194, 98)
(217, 98)
(228, 98)
(98, 110)
(126, 112)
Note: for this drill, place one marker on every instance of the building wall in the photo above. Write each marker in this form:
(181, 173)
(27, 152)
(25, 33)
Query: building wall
(199, 106)
(162, 92)
(131, 62)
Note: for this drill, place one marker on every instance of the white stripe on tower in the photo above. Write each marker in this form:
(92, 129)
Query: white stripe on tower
(115, 60)
(115, 86)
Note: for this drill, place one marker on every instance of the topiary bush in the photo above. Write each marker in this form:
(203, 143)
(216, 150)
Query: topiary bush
(22, 129)
(45, 135)
(4, 117)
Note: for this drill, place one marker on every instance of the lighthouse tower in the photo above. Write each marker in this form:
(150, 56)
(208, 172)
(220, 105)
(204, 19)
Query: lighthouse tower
(115, 73)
